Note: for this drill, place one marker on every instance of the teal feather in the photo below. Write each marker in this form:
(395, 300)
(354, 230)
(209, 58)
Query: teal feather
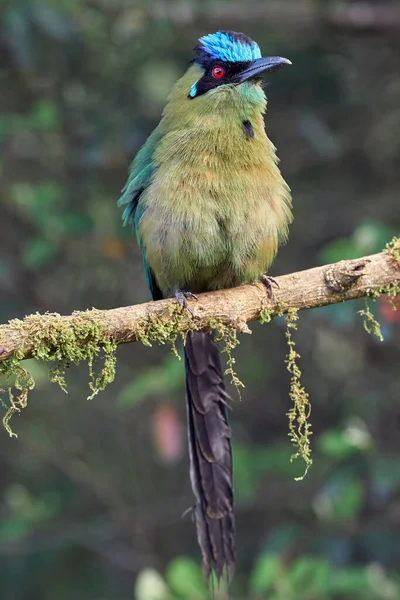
(141, 172)
(140, 176)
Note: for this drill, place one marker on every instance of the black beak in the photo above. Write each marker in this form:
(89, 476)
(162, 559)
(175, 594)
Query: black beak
(263, 65)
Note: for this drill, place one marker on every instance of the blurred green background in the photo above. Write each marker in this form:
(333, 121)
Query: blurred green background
(92, 492)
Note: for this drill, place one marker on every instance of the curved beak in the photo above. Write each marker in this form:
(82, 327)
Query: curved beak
(263, 65)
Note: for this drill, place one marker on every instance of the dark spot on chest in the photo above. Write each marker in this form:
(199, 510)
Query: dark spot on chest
(248, 128)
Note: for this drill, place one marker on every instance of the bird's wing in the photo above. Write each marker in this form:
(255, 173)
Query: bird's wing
(140, 175)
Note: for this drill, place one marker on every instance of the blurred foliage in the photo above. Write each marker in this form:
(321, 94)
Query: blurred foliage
(306, 578)
(92, 493)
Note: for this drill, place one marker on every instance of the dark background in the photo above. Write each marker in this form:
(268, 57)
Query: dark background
(92, 492)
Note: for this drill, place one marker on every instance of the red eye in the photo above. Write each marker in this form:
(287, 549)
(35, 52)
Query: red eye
(218, 72)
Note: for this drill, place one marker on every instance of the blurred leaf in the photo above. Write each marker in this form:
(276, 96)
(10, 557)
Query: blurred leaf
(26, 511)
(282, 539)
(339, 249)
(38, 252)
(340, 444)
(252, 462)
(153, 382)
(341, 499)
(264, 573)
(186, 579)
(39, 201)
(76, 223)
(385, 475)
(45, 116)
(24, 504)
(150, 586)
(309, 575)
(322, 576)
(14, 528)
(350, 501)
(352, 581)
(372, 236)
(368, 237)
(13, 124)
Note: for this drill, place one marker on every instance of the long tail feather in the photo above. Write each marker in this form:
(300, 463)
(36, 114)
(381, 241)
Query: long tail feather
(210, 454)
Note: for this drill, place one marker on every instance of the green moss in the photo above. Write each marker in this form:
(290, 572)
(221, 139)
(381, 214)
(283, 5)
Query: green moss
(227, 336)
(299, 414)
(393, 248)
(267, 315)
(61, 341)
(299, 426)
(19, 379)
(82, 337)
(155, 329)
(392, 291)
(371, 325)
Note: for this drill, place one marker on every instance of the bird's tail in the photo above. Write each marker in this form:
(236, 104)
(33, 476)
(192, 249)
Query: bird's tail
(210, 454)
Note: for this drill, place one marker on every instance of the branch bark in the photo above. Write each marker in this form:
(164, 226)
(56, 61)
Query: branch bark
(320, 286)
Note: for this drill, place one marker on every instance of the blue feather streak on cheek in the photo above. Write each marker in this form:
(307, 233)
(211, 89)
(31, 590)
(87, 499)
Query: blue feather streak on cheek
(193, 90)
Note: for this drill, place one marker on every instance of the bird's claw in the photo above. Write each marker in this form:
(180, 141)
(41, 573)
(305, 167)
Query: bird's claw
(267, 280)
(182, 296)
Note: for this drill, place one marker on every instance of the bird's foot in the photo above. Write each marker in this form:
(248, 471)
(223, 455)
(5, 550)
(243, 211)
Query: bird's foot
(267, 280)
(182, 296)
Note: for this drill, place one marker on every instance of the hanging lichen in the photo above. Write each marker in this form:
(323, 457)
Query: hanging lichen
(299, 414)
(82, 338)
(162, 331)
(227, 336)
(19, 379)
(371, 325)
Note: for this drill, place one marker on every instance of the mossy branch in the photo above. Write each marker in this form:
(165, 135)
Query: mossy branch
(93, 335)
(55, 337)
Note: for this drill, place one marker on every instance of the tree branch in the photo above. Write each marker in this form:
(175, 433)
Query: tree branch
(320, 286)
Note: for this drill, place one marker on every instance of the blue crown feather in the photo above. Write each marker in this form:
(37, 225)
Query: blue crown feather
(228, 46)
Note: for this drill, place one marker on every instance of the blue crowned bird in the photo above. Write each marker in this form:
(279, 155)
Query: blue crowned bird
(209, 207)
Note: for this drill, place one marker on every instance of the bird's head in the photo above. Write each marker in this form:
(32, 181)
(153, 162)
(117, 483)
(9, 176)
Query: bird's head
(230, 59)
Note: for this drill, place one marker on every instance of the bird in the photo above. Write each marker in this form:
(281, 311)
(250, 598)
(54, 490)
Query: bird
(210, 207)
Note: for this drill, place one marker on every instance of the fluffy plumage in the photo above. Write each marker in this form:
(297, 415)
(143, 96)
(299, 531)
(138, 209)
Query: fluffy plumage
(217, 206)
(209, 207)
